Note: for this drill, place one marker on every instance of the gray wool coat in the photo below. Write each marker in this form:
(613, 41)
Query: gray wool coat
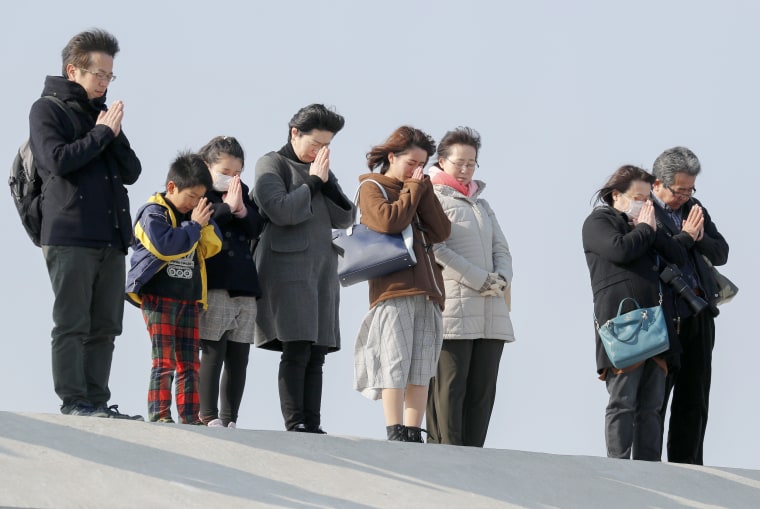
(475, 247)
(295, 258)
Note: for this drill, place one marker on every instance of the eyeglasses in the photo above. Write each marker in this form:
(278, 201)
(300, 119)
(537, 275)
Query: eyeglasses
(461, 165)
(101, 76)
(683, 194)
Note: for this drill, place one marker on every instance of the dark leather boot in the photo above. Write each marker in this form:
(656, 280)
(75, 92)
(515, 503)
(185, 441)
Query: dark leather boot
(413, 434)
(396, 432)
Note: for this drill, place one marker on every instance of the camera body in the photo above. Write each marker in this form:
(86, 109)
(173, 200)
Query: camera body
(672, 276)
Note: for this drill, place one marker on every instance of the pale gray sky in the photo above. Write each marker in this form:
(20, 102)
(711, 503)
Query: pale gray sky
(562, 93)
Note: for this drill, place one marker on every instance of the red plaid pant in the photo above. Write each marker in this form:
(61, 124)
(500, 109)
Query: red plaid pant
(173, 328)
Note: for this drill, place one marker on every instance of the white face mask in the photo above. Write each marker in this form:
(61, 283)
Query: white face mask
(634, 209)
(221, 182)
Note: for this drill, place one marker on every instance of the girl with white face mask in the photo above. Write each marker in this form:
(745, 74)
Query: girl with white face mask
(222, 181)
(226, 327)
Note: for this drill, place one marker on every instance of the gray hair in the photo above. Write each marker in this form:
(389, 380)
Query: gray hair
(675, 160)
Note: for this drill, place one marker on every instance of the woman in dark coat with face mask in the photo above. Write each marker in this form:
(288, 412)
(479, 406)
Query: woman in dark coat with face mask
(625, 254)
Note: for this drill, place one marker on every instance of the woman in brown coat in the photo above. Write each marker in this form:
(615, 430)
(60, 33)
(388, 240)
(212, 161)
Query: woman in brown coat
(400, 339)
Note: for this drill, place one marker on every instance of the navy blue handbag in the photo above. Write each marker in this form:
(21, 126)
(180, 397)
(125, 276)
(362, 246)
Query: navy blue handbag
(365, 254)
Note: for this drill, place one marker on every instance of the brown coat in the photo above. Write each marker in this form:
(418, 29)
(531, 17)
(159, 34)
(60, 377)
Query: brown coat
(405, 199)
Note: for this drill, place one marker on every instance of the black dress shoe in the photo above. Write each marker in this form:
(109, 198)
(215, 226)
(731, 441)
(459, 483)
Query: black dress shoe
(303, 428)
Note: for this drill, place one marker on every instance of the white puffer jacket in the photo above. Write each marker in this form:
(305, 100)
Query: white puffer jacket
(475, 247)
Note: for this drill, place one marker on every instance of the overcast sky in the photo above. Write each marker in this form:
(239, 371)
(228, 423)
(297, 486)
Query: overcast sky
(562, 93)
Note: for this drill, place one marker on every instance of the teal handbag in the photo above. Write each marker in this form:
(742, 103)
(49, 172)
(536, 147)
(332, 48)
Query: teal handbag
(634, 336)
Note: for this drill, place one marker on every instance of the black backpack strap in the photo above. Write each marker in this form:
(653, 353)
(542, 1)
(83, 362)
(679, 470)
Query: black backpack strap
(69, 113)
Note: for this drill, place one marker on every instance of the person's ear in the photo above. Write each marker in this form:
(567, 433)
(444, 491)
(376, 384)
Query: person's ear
(293, 132)
(171, 187)
(71, 70)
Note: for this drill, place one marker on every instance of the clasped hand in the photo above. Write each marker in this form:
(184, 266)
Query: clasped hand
(494, 285)
(694, 224)
(321, 165)
(646, 215)
(112, 117)
(234, 197)
(202, 212)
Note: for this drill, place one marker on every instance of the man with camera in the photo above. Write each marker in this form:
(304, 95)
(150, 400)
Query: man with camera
(690, 226)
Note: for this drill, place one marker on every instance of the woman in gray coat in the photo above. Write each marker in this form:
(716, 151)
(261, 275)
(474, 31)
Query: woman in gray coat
(477, 271)
(297, 265)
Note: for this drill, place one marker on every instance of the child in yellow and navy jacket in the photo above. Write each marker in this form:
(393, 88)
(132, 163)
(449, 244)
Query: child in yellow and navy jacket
(173, 236)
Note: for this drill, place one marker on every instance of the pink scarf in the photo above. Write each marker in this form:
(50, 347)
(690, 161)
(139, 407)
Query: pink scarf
(438, 176)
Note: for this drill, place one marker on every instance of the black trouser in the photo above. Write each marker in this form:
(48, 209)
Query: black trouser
(462, 393)
(233, 356)
(88, 284)
(300, 383)
(691, 390)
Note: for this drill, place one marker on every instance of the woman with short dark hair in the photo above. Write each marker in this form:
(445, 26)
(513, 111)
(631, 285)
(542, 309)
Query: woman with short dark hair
(299, 195)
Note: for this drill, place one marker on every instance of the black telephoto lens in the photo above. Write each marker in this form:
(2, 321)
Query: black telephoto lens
(672, 276)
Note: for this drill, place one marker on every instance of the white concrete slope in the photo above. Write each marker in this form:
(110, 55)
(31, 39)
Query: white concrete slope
(62, 461)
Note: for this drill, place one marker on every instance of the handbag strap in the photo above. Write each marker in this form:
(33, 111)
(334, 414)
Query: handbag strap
(620, 306)
(358, 217)
(633, 333)
(356, 198)
(382, 190)
(659, 281)
(638, 306)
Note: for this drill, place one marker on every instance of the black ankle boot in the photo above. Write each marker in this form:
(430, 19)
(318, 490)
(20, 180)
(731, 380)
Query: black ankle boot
(412, 434)
(396, 432)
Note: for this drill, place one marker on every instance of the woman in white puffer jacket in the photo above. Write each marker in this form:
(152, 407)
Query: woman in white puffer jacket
(477, 271)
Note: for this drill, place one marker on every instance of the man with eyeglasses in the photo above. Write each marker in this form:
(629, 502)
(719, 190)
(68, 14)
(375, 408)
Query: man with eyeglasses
(687, 222)
(86, 223)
